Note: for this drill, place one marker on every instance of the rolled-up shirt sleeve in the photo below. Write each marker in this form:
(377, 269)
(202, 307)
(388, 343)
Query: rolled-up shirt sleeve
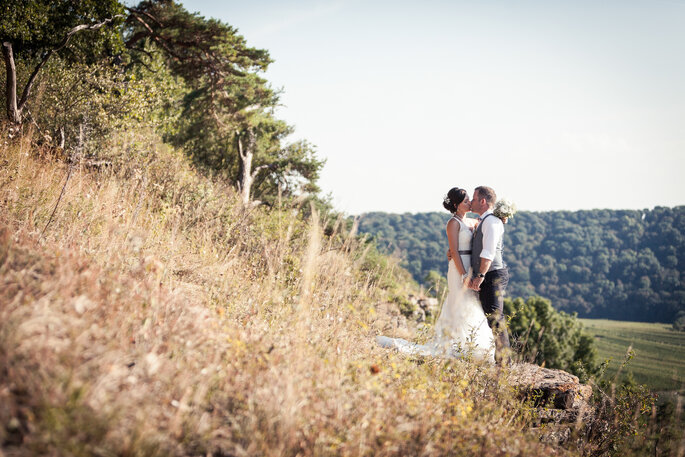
(493, 229)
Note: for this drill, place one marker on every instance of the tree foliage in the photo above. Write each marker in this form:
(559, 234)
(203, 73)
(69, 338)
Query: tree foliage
(228, 123)
(33, 31)
(550, 338)
(34, 27)
(104, 67)
(436, 283)
(616, 264)
(679, 322)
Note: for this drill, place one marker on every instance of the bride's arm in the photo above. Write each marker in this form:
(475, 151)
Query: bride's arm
(453, 228)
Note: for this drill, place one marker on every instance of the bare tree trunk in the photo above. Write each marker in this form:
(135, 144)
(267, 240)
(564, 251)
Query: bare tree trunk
(247, 174)
(81, 139)
(62, 137)
(246, 152)
(13, 112)
(14, 107)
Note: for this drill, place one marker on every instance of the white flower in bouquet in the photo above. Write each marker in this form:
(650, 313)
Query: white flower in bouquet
(504, 209)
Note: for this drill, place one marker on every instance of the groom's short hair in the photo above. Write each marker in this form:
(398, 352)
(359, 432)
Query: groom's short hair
(488, 193)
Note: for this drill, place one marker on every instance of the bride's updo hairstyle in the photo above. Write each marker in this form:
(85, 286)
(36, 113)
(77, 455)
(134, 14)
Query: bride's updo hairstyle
(453, 198)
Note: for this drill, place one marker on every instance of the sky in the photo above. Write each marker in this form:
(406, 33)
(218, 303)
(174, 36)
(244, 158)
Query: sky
(557, 105)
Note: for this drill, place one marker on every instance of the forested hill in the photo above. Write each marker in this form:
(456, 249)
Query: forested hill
(617, 264)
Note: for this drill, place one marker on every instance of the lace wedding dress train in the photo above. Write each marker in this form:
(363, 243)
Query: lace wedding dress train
(461, 328)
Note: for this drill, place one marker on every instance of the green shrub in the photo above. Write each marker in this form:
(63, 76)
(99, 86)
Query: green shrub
(555, 339)
(679, 322)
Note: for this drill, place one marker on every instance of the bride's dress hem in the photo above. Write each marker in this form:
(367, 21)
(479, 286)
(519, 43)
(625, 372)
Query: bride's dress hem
(433, 349)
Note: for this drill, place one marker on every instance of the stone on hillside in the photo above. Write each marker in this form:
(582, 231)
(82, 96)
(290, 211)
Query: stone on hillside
(430, 305)
(562, 402)
(389, 321)
(548, 387)
(419, 314)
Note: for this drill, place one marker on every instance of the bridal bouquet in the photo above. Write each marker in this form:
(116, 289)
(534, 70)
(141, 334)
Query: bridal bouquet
(504, 209)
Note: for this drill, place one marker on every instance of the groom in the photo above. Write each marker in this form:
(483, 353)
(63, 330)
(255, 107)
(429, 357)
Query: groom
(489, 272)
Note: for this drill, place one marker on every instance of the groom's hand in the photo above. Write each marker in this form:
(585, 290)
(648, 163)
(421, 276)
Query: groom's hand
(475, 283)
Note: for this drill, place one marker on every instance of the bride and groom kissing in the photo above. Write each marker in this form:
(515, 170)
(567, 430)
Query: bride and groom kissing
(471, 321)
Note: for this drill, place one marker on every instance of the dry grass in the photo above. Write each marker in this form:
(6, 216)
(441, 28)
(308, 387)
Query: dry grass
(157, 316)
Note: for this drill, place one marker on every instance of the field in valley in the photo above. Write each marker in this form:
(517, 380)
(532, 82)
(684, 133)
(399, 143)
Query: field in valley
(659, 351)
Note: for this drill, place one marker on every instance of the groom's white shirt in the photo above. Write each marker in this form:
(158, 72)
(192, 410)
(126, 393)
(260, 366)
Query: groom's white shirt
(493, 230)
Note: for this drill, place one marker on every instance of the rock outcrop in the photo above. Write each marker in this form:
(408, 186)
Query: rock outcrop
(390, 321)
(561, 402)
(423, 307)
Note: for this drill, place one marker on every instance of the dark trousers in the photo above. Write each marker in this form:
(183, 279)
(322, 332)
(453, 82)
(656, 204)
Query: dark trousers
(492, 300)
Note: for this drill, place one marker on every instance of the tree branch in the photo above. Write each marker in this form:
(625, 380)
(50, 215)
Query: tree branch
(164, 42)
(136, 11)
(240, 148)
(260, 168)
(136, 37)
(69, 168)
(145, 24)
(11, 83)
(251, 139)
(61, 45)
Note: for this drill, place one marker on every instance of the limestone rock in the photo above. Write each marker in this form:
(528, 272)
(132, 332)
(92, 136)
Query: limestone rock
(562, 403)
(389, 321)
(552, 388)
(429, 304)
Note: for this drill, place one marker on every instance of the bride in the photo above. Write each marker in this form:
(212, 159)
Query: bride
(461, 328)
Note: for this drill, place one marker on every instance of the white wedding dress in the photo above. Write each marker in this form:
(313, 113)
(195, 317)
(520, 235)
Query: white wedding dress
(461, 329)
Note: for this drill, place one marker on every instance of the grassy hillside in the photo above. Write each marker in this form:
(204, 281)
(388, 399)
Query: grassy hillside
(154, 314)
(659, 351)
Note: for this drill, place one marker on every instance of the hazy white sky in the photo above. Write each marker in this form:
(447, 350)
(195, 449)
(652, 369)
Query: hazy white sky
(556, 104)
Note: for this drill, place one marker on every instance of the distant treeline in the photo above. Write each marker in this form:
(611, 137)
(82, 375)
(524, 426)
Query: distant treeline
(616, 264)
